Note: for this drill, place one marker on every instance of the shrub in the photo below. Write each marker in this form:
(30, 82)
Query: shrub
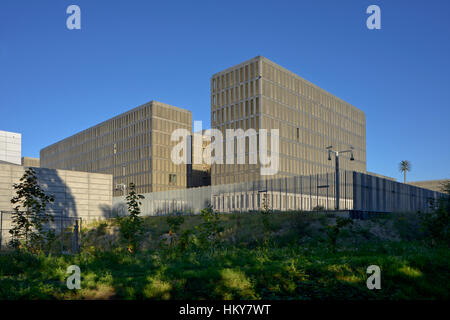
(174, 223)
(130, 226)
(333, 231)
(209, 229)
(437, 223)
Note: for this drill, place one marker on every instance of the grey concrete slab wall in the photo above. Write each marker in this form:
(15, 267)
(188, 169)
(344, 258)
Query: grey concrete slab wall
(375, 194)
(77, 194)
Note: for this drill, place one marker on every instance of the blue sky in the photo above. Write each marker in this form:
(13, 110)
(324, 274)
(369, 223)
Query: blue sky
(55, 82)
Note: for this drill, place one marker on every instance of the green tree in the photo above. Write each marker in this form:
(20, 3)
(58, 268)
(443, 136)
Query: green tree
(29, 213)
(404, 166)
(130, 226)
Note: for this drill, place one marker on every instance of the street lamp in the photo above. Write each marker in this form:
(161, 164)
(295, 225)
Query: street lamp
(336, 153)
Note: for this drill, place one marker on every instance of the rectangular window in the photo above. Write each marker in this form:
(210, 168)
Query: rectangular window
(172, 178)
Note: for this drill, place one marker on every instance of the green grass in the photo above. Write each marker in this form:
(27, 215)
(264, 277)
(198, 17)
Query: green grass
(295, 265)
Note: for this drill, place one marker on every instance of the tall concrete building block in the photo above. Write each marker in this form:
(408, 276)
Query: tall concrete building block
(10, 147)
(134, 146)
(259, 94)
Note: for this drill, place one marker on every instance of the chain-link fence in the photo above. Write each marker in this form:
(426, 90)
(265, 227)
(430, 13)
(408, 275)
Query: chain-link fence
(66, 232)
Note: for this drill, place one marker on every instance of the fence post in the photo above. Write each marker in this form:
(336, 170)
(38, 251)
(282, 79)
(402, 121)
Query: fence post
(286, 195)
(1, 229)
(75, 237)
(61, 233)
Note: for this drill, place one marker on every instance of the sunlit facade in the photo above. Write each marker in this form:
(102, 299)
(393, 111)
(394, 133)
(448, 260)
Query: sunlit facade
(260, 94)
(134, 146)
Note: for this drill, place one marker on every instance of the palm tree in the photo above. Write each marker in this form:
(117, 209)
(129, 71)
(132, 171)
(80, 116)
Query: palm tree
(404, 166)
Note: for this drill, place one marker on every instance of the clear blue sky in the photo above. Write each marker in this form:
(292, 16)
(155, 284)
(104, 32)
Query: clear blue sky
(55, 82)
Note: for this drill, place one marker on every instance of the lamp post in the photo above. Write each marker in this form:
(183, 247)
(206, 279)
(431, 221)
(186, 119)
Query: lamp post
(337, 153)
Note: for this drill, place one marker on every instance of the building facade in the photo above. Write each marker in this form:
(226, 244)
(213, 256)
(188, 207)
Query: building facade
(134, 146)
(259, 94)
(200, 173)
(30, 162)
(10, 147)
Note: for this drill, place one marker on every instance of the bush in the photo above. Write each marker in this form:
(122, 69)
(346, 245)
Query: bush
(437, 223)
(332, 231)
(174, 223)
(209, 229)
(130, 227)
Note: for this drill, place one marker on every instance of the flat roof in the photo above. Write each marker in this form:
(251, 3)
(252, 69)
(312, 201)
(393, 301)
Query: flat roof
(259, 58)
(118, 116)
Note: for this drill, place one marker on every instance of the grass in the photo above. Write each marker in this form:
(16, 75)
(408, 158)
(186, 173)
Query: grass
(295, 265)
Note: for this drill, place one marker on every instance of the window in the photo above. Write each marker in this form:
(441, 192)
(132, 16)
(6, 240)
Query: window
(172, 178)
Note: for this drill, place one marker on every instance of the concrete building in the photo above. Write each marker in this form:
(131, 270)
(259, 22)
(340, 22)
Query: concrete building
(200, 174)
(77, 194)
(134, 146)
(30, 162)
(10, 147)
(435, 185)
(260, 94)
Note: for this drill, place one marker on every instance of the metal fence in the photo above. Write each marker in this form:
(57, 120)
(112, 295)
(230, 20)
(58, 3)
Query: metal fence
(358, 192)
(67, 231)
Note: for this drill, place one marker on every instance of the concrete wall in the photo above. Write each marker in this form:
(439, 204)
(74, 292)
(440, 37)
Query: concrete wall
(10, 147)
(376, 194)
(77, 194)
(31, 162)
(435, 185)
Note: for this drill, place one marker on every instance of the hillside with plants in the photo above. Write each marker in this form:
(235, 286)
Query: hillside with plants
(237, 256)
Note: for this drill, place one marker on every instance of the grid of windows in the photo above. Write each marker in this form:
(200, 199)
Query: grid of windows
(134, 147)
(261, 94)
